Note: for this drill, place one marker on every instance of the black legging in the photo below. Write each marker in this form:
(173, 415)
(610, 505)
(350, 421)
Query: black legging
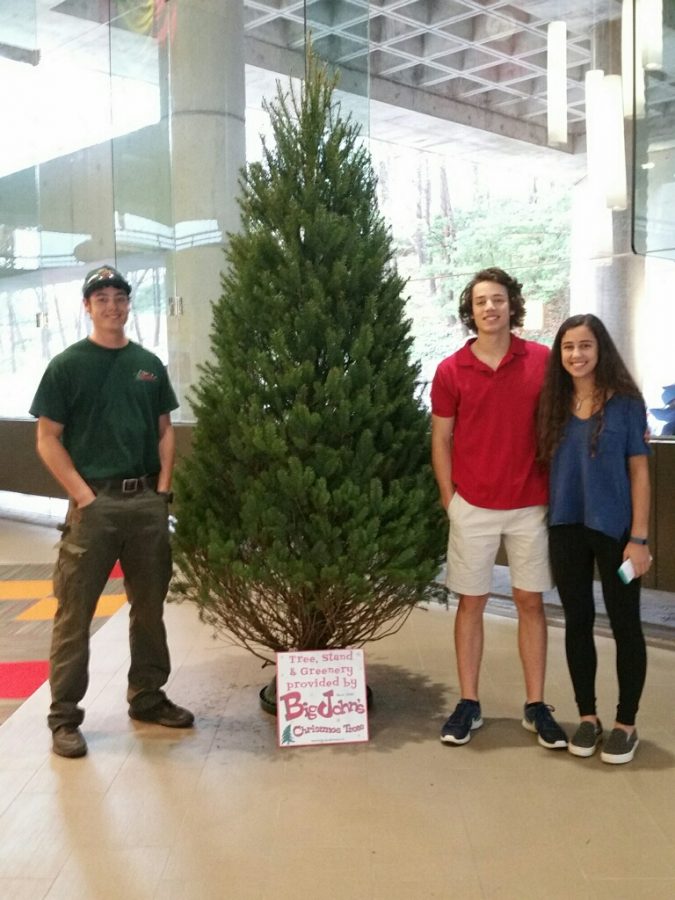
(573, 550)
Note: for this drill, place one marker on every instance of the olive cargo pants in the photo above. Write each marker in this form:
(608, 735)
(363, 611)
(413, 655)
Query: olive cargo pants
(134, 529)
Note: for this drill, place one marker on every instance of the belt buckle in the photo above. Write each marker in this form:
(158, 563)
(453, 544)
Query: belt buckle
(130, 485)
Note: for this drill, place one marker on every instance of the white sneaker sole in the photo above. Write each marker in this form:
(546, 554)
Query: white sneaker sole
(556, 745)
(583, 751)
(449, 739)
(616, 759)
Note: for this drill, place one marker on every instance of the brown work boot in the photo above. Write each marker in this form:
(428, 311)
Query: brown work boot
(165, 713)
(68, 741)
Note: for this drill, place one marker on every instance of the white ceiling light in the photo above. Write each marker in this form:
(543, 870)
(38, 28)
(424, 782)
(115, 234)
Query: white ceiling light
(632, 73)
(605, 143)
(650, 24)
(556, 83)
(594, 137)
(613, 130)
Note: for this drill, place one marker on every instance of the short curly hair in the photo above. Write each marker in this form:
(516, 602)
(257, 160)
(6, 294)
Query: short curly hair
(513, 287)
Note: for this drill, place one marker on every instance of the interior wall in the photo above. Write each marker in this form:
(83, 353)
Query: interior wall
(22, 472)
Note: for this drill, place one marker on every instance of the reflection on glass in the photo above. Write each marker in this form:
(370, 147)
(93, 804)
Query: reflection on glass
(20, 299)
(654, 59)
(84, 180)
(141, 166)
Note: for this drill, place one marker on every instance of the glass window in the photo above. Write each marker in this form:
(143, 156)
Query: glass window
(84, 180)
(654, 163)
(452, 217)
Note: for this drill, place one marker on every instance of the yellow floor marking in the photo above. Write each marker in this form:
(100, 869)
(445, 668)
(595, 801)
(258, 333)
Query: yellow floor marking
(25, 590)
(45, 609)
(108, 604)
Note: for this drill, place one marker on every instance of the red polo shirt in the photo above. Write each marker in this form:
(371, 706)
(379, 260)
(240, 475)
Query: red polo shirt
(494, 438)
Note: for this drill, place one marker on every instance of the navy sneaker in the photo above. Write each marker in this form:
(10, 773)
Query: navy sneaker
(537, 717)
(465, 719)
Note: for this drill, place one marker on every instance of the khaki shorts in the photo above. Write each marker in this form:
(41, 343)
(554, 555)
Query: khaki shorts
(473, 543)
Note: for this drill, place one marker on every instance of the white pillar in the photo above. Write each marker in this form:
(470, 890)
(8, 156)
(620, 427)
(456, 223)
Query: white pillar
(207, 95)
(607, 278)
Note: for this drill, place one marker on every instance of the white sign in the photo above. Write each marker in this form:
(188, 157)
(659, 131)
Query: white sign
(321, 697)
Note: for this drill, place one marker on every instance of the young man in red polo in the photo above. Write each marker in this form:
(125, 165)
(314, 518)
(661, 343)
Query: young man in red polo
(484, 401)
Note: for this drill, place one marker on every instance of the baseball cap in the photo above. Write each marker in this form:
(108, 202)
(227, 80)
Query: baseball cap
(104, 276)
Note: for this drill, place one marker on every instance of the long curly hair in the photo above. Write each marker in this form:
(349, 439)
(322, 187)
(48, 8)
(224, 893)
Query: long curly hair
(555, 404)
(499, 276)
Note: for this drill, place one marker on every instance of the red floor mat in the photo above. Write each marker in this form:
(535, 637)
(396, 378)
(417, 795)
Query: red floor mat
(20, 679)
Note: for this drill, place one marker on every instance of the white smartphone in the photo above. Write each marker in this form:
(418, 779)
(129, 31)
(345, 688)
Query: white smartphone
(626, 572)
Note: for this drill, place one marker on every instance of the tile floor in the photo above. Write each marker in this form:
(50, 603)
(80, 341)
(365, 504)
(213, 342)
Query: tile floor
(27, 605)
(221, 812)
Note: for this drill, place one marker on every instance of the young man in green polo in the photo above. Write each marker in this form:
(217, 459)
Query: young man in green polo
(104, 432)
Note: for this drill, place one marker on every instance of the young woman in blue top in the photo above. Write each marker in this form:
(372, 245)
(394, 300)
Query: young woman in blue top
(592, 426)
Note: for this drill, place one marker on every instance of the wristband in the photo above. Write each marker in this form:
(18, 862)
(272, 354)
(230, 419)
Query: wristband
(637, 540)
(168, 496)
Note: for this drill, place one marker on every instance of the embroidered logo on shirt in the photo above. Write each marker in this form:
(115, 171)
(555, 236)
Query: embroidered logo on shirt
(142, 375)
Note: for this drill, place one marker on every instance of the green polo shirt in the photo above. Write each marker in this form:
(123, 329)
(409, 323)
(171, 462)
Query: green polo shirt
(109, 402)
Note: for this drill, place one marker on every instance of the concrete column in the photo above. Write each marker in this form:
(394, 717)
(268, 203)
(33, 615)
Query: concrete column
(607, 278)
(206, 86)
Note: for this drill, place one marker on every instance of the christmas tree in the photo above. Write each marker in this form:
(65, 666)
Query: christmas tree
(308, 516)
